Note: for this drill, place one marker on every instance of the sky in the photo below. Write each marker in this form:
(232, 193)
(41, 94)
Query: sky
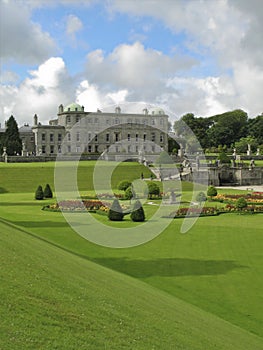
(187, 56)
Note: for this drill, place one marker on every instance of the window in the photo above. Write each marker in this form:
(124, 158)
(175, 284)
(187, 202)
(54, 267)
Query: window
(96, 138)
(144, 137)
(153, 137)
(59, 137)
(89, 149)
(77, 136)
(117, 121)
(129, 137)
(77, 118)
(89, 136)
(69, 149)
(78, 149)
(129, 149)
(117, 137)
(161, 121)
(145, 122)
(68, 120)
(153, 122)
(43, 150)
(51, 137)
(96, 149)
(43, 138)
(136, 149)
(153, 149)
(52, 149)
(107, 137)
(59, 148)
(69, 136)
(108, 122)
(136, 137)
(161, 138)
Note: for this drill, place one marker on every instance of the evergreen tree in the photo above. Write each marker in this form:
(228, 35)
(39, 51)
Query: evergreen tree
(12, 140)
(39, 193)
(48, 192)
(115, 213)
(201, 197)
(138, 213)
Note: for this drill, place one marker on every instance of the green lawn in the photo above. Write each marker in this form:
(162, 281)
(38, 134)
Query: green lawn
(216, 267)
(52, 299)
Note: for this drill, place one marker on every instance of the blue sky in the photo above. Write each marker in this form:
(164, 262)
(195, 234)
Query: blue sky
(187, 56)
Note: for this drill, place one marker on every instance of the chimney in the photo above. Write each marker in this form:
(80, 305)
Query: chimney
(60, 109)
(35, 120)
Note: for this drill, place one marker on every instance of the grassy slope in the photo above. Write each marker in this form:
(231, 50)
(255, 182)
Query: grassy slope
(52, 299)
(25, 177)
(217, 266)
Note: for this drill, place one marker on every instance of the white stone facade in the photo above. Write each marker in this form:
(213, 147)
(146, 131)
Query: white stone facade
(76, 131)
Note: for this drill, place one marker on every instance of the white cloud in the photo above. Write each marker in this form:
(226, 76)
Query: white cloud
(141, 71)
(41, 93)
(22, 40)
(74, 25)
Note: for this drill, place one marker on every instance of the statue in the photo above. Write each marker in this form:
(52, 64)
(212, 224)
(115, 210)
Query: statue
(248, 149)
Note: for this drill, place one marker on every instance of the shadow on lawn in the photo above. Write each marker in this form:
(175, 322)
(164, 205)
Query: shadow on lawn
(168, 267)
(45, 223)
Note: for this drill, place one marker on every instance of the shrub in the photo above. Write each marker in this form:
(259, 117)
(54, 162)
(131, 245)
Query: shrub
(201, 197)
(128, 193)
(211, 192)
(153, 189)
(241, 203)
(137, 213)
(39, 193)
(115, 213)
(224, 159)
(48, 192)
(123, 185)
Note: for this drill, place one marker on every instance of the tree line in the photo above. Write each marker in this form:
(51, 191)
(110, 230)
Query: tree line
(227, 130)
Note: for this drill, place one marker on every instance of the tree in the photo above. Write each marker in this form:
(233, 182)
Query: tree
(255, 128)
(228, 127)
(123, 185)
(137, 213)
(201, 197)
(223, 158)
(128, 193)
(153, 189)
(12, 140)
(241, 203)
(39, 194)
(115, 213)
(242, 144)
(48, 192)
(211, 192)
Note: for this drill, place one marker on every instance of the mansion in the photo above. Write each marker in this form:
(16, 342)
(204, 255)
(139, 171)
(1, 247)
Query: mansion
(109, 134)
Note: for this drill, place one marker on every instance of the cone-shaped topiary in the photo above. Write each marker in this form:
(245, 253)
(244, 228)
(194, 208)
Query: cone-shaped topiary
(115, 213)
(39, 193)
(128, 193)
(48, 192)
(201, 197)
(138, 213)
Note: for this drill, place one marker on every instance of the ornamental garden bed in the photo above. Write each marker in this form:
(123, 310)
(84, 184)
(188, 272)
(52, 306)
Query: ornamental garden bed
(255, 198)
(78, 206)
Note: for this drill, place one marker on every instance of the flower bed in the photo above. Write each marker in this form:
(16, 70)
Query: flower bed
(194, 211)
(78, 205)
(254, 197)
